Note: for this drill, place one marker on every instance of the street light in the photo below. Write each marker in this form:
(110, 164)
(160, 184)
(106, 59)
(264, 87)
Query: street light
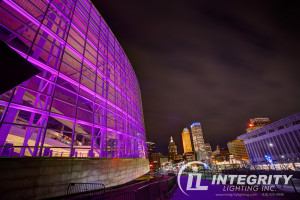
(271, 145)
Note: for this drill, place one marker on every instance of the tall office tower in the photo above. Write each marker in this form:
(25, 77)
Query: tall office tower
(198, 141)
(172, 150)
(256, 123)
(186, 140)
(238, 150)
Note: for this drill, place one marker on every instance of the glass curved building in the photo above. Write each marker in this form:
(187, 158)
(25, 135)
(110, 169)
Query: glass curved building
(86, 101)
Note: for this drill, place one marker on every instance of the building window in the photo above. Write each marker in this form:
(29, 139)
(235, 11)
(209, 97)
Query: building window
(296, 122)
(261, 134)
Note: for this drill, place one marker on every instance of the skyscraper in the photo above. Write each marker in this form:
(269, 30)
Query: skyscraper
(172, 150)
(256, 123)
(198, 141)
(186, 140)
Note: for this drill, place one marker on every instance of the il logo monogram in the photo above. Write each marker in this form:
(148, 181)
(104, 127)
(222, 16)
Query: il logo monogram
(190, 178)
(198, 181)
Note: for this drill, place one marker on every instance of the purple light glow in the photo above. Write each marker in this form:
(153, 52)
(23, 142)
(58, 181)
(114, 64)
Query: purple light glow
(64, 106)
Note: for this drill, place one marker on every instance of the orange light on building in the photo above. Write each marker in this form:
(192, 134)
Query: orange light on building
(150, 165)
(251, 125)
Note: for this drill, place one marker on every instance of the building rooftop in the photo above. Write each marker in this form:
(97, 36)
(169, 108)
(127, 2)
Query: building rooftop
(196, 123)
(273, 125)
(185, 129)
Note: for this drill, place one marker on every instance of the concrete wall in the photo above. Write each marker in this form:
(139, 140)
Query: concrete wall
(36, 178)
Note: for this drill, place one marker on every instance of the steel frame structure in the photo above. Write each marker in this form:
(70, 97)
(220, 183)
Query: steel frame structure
(86, 100)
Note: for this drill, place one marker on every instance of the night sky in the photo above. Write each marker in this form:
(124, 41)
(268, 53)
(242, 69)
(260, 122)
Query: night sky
(215, 62)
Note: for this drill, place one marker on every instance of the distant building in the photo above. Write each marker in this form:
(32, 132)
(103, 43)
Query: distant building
(198, 141)
(189, 156)
(172, 150)
(279, 141)
(151, 147)
(220, 154)
(179, 157)
(256, 123)
(238, 150)
(208, 153)
(156, 160)
(151, 150)
(163, 159)
(208, 149)
(186, 140)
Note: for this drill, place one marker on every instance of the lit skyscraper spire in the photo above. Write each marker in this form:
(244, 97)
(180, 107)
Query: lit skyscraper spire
(172, 150)
(171, 139)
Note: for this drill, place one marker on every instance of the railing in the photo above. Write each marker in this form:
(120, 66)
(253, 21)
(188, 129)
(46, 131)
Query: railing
(88, 191)
(71, 191)
(153, 191)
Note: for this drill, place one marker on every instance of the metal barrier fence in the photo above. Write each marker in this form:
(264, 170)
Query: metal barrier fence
(90, 191)
(45, 192)
(96, 191)
(153, 191)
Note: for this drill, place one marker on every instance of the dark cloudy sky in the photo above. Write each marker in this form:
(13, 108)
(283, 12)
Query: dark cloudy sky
(215, 62)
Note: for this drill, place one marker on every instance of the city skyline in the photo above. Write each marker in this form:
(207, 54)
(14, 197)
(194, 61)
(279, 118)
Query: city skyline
(216, 63)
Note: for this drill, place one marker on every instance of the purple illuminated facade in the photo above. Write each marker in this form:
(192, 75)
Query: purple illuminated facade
(86, 102)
